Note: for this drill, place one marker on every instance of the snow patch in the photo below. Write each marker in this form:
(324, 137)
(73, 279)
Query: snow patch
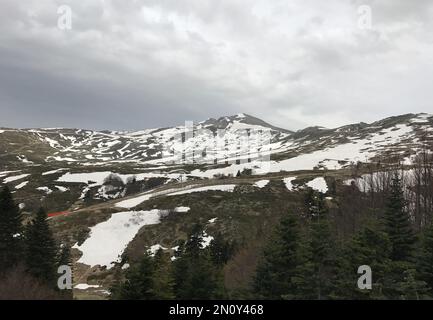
(45, 189)
(85, 286)
(15, 178)
(52, 172)
(288, 183)
(207, 239)
(261, 184)
(222, 187)
(318, 184)
(154, 249)
(62, 189)
(108, 239)
(21, 185)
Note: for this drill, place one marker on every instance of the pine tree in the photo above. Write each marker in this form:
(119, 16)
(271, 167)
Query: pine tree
(138, 281)
(10, 231)
(323, 258)
(398, 225)
(194, 244)
(370, 246)
(316, 275)
(412, 288)
(196, 277)
(425, 259)
(64, 257)
(202, 280)
(41, 252)
(276, 269)
(162, 279)
(220, 250)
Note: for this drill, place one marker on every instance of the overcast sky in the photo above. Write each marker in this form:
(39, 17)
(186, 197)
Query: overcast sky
(151, 63)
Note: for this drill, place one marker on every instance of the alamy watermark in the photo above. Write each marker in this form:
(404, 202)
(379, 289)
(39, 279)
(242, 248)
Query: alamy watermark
(64, 21)
(64, 282)
(365, 17)
(365, 280)
(197, 145)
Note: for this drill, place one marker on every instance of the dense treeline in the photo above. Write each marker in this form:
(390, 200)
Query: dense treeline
(29, 256)
(194, 272)
(304, 259)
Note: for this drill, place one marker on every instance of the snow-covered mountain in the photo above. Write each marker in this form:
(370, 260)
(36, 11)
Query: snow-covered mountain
(217, 140)
(48, 164)
(41, 146)
(104, 187)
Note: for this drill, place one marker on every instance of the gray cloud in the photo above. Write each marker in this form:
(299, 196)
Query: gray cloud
(139, 64)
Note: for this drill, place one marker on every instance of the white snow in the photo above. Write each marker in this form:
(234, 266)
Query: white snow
(207, 239)
(84, 286)
(357, 150)
(5, 173)
(261, 184)
(52, 171)
(45, 189)
(62, 189)
(421, 118)
(24, 159)
(318, 184)
(221, 187)
(21, 185)
(182, 209)
(288, 182)
(108, 239)
(212, 220)
(58, 158)
(154, 249)
(131, 203)
(15, 178)
(125, 266)
(97, 178)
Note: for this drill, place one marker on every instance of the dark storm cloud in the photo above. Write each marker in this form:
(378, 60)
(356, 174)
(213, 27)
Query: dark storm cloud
(139, 64)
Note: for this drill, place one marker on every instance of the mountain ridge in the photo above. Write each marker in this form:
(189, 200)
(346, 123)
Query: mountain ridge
(250, 120)
(87, 178)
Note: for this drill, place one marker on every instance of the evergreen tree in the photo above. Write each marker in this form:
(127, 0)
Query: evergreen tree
(410, 287)
(41, 250)
(276, 269)
(194, 244)
(305, 286)
(316, 275)
(162, 279)
(64, 258)
(425, 259)
(10, 231)
(196, 277)
(116, 285)
(220, 250)
(370, 246)
(323, 258)
(397, 223)
(138, 281)
(202, 279)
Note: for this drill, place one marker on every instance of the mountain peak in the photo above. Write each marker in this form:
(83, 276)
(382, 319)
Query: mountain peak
(243, 118)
